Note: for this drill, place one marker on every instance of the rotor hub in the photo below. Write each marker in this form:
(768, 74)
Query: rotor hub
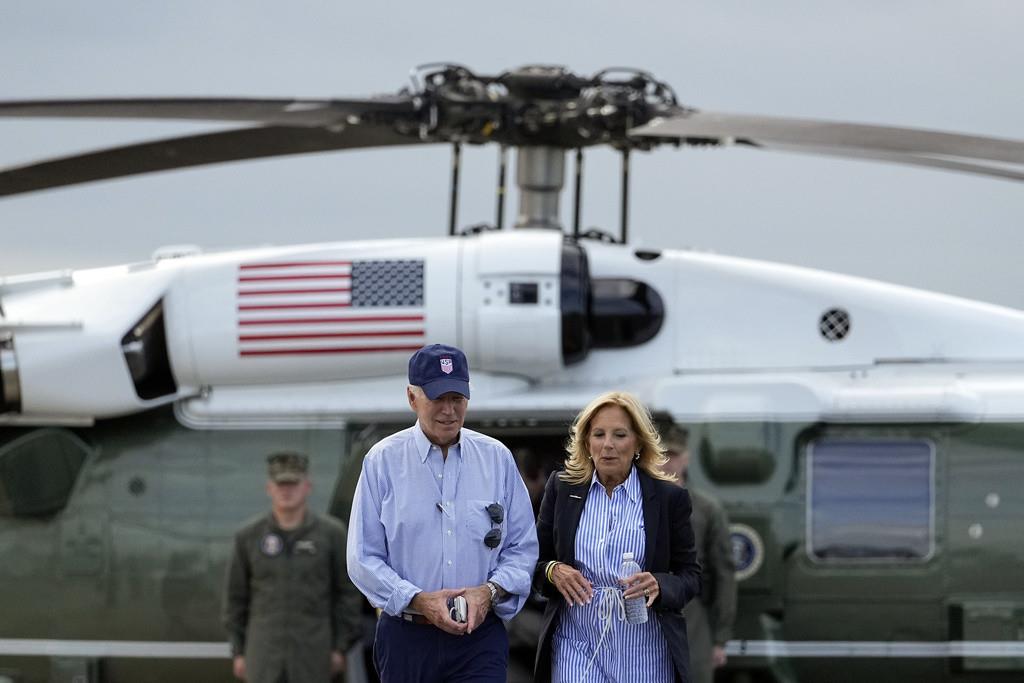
(539, 105)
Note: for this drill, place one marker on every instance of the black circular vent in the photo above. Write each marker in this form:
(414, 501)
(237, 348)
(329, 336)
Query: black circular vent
(834, 324)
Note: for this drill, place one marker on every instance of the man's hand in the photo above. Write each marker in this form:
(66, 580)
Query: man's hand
(718, 657)
(337, 662)
(238, 667)
(573, 586)
(478, 602)
(434, 606)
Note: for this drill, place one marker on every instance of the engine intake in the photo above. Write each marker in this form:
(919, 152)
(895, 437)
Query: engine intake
(145, 351)
(603, 313)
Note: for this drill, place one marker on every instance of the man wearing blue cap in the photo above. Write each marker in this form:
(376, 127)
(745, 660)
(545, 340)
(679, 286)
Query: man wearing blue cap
(441, 514)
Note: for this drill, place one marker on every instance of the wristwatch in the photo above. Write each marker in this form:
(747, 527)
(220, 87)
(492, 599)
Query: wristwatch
(494, 591)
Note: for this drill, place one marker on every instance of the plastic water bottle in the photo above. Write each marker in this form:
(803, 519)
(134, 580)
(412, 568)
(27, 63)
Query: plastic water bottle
(636, 608)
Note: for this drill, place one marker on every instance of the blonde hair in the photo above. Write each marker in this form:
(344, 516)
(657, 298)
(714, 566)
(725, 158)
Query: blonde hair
(579, 468)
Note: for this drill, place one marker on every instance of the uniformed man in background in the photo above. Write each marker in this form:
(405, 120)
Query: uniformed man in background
(709, 619)
(290, 610)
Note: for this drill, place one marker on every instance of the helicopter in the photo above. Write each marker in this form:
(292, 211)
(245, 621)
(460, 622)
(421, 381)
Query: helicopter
(866, 439)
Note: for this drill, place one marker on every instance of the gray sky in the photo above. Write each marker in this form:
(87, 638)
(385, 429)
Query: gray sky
(933, 64)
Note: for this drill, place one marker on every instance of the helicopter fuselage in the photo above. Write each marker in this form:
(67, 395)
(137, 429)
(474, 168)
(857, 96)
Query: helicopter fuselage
(866, 439)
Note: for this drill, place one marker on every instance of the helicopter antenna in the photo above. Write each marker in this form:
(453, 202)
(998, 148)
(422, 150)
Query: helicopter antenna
(578, 193)
(625, 196)
(453, 208)
(499, 219)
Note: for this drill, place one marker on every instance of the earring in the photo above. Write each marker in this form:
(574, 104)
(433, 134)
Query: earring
(636, 456)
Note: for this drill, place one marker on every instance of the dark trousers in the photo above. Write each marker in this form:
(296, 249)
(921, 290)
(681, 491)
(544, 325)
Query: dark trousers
(404, 652)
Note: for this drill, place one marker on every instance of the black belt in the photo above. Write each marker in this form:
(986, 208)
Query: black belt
(416, 618)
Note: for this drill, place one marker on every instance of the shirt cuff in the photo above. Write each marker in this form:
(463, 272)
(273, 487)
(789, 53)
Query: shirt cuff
(514, 581)
(517, 589)
(400, 598)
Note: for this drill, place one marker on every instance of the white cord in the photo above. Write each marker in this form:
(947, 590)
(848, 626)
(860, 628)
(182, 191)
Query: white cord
(610, 599)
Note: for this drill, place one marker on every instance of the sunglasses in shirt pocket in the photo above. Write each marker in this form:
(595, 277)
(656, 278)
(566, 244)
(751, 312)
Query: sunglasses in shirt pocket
(484, 521)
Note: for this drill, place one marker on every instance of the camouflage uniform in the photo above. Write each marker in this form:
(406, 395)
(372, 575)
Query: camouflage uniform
(289, 600)
(709, 619)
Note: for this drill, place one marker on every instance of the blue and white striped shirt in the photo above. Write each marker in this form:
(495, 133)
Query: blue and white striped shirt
(608, 528)
(418, 521)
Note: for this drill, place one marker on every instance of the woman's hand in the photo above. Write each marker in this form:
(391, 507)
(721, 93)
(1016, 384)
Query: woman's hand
(642, 584)
(573, 586)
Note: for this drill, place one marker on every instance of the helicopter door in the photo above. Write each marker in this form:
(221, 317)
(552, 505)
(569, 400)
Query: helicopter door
(986, 610)
(869, 573)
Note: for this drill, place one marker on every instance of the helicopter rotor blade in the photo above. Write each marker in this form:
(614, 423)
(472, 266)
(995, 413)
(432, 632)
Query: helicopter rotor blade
(194, 150)
(284, 112)
(941, 163)
(934, 149)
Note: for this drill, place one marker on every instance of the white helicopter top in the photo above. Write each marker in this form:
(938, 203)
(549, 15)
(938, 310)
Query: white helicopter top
(320, 334)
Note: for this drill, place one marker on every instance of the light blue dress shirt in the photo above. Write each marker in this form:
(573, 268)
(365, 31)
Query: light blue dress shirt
(418, 521)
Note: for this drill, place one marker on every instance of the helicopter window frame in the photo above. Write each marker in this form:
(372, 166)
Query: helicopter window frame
(19, 462)
(810, 548)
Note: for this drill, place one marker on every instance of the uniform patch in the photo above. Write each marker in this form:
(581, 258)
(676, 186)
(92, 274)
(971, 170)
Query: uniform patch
(271, 545)
(305, 547)
(446, 366)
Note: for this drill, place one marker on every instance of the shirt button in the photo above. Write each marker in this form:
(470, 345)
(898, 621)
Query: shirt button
(449, 563)
(440, 476)
(449, 532)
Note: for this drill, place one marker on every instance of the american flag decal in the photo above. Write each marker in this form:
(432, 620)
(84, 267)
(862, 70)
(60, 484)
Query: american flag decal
(329, 307)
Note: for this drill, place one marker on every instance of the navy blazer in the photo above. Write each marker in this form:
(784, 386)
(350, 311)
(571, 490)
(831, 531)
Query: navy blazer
(670, 555)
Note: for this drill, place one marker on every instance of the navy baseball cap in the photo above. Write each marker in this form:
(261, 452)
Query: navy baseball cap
(438, 369)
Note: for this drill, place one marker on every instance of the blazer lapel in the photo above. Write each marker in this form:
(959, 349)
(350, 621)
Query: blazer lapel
(651, 515)
(575, 497)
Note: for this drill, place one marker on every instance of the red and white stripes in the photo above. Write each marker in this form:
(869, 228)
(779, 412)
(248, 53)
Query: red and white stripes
(306, 307)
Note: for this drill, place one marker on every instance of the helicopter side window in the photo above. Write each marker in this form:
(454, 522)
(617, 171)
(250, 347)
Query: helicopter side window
(870, 500)
(38, 471)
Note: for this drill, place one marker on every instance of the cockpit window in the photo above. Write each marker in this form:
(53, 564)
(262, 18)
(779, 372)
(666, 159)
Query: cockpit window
(623, 312)
(870, 500)
(38, 471)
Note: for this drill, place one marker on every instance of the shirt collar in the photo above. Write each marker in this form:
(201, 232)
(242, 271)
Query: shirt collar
(307, 520)
(631, 485)
(423, 444)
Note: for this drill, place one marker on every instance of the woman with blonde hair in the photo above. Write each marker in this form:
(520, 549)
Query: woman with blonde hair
(611, 499)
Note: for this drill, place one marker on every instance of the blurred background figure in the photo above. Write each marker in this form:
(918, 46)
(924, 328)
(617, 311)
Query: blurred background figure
(289, 608)
(535, 470)
(709, 619)
(535, 466)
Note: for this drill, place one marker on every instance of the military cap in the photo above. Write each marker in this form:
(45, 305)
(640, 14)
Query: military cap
(287, 467)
